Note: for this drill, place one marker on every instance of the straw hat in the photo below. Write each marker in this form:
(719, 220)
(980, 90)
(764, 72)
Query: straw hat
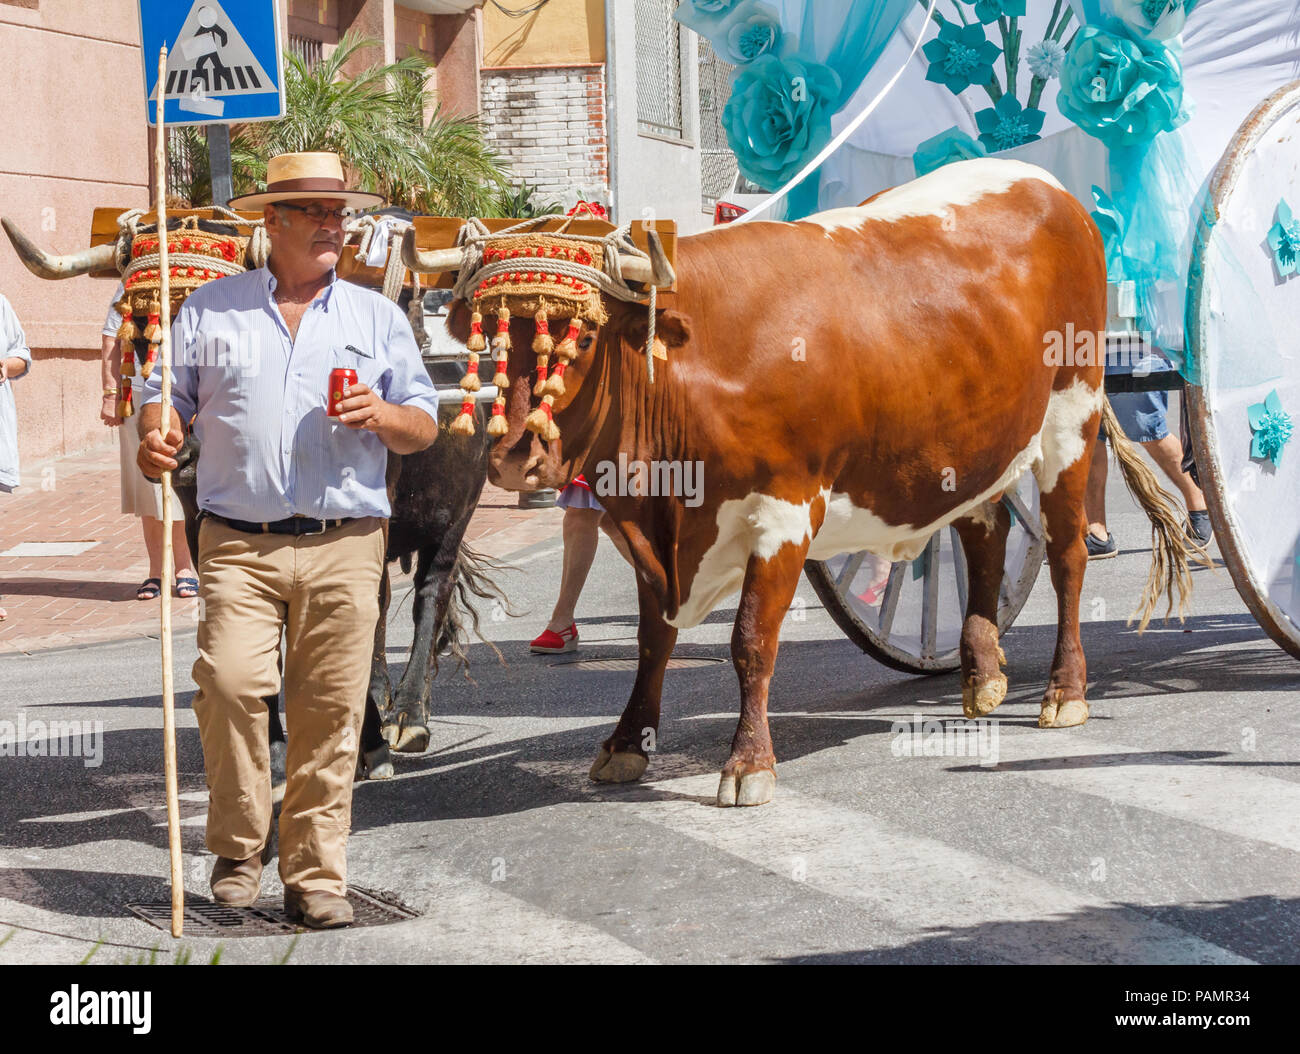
(314, 175)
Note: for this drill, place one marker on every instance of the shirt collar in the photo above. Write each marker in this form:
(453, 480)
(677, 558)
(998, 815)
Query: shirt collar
(323, 299)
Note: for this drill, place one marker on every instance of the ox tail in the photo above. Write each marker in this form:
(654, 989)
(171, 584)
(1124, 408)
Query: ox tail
(474, 575)
(1171, 548)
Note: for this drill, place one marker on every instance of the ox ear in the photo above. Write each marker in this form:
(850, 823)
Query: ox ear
(458, 321)
(671, 327)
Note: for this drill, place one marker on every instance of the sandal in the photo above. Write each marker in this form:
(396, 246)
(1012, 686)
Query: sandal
(150, 589)
(187, 586)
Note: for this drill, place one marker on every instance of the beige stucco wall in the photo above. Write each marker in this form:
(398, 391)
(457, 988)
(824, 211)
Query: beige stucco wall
(72, 137)
(563, 33)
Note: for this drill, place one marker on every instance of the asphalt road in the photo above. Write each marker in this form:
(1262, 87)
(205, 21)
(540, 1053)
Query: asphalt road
(1166, 830)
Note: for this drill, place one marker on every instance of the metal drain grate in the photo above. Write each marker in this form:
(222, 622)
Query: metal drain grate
(631, 664)
(266, 918)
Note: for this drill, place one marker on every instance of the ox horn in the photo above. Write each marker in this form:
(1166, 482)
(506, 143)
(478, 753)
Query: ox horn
(655, 271)
(46, 265)
(429, 261)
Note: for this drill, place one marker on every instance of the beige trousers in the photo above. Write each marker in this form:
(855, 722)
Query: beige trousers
(323, 591)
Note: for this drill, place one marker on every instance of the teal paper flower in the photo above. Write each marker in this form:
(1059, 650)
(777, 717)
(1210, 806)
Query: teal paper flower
(991, 10)
(779, 116)
(1272, 427)
(960, 56)
(1124, 92)
(1284, 238)
(1113, 226)
(1008, 125)
(706, 17)
(754, 30)
(1046, 59)
(1154, 19)
(944, 149)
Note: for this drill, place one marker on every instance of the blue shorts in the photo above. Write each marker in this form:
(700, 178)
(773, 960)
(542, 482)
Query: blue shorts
(1142, 415)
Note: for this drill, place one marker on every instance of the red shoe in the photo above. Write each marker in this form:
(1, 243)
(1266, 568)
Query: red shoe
(550, 643)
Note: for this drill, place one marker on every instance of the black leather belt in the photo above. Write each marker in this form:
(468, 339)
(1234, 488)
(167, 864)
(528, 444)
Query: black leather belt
(294, 525)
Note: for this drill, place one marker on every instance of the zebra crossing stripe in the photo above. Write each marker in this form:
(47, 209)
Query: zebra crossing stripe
(921, 884)
(1225, 797)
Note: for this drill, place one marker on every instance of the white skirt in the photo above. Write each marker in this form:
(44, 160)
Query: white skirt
(139, 496)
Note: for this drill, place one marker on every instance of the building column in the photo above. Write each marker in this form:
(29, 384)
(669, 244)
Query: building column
(458, 54)
(374, 19)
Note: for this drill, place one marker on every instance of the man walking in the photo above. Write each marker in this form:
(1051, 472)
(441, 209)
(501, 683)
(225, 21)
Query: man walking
(291, 537)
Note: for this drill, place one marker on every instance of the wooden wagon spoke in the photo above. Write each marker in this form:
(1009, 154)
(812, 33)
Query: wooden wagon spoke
(1023, 516)
(959, 564)
(844, 580)
(930, 599)
(893, 590)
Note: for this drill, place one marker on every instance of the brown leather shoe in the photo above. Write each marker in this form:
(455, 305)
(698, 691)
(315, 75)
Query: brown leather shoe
(237, 883)
(317, 909)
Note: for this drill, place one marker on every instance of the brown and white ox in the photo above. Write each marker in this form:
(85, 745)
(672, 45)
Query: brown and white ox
(857, 380)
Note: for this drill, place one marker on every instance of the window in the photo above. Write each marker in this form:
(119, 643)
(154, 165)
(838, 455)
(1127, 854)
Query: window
(660, 69)
(717, 162)
(307, 50)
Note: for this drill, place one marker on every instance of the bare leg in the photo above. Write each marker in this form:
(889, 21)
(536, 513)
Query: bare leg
(153, 535)
(1095, 497)
(580, 541)
(180, 547)
(152, 528)
(1167, 453)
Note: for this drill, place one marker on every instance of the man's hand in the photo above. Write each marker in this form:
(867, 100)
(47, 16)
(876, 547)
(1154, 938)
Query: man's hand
(157, 453)
(403, 429)
(363, 410)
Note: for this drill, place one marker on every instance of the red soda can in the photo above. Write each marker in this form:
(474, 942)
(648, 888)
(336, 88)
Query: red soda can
(341, 382)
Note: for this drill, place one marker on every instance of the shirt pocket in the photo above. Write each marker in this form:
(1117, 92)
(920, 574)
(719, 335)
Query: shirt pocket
(355, 356)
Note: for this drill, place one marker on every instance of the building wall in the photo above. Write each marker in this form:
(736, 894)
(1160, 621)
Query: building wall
(654, 177)
(550, 125)
(562, 33)
(73, 136)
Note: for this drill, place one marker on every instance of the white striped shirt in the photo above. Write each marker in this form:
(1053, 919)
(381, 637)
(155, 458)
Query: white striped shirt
(258, 397)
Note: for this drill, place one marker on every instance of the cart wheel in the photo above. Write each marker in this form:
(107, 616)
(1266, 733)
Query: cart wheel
(1242, 324)
(916, 625)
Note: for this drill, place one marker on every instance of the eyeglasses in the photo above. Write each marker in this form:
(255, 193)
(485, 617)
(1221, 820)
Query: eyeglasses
(317, 213)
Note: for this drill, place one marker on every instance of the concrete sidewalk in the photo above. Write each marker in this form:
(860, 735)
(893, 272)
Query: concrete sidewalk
(56, 600)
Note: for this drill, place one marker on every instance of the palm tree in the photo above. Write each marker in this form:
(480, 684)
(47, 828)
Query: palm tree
(375, 121)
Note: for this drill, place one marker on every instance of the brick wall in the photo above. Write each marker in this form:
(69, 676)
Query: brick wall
(549, 124)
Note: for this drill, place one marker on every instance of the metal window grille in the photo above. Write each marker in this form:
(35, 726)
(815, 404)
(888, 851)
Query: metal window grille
(309, 51)
(717, 162)
(659, 69)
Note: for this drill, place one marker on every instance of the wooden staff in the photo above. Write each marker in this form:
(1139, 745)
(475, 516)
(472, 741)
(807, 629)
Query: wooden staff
(168, 561)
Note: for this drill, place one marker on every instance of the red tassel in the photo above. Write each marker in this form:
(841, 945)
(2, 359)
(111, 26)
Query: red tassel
(470, 382)
(498, 426)
(477, 342)
(464, 423)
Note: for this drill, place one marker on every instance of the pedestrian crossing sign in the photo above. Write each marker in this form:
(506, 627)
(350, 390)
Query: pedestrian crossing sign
(224, 60)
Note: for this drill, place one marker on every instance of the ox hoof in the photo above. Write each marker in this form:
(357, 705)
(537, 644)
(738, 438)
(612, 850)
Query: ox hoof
(978, 700)
(618, 768)
(749, 788)
(375, 764)
(405, 736)
(1067, 714)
